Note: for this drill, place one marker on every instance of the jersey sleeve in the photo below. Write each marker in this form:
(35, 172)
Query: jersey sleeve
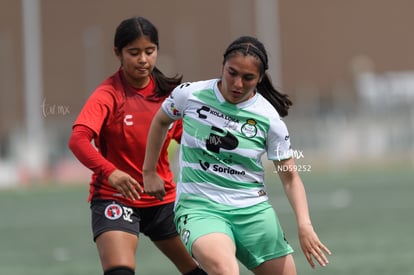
(278, 141)
(80, 145)
(174, 105)
(95, 110)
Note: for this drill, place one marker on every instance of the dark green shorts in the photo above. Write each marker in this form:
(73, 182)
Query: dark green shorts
(255, 230)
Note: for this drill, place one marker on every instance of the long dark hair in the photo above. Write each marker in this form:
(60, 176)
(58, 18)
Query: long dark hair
(248, 45)
(133, 28)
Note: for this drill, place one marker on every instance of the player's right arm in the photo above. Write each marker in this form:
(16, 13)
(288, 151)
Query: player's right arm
(170, 111)
(87, 127)
(153, 184)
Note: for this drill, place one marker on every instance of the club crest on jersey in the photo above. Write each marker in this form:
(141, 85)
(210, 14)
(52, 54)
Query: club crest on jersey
(249, 128)
(113, 211)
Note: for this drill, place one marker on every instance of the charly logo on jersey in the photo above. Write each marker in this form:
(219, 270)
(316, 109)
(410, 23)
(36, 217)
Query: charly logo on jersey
(128, 120)
(249, 128)
(113, 211)
(204, 111)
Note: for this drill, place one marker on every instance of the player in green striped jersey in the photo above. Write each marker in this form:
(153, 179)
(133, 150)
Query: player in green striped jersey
(222, 210)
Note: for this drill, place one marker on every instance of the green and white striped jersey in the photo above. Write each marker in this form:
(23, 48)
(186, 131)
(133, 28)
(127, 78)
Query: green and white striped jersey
(223, 143)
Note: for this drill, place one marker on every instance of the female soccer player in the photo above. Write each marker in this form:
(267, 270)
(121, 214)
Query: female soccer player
(222, 210)
(117, 117)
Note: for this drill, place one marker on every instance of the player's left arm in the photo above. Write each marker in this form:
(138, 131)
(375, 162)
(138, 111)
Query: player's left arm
(293, 186)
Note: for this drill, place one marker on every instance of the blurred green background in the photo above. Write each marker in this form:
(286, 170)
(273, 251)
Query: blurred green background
(363, 216)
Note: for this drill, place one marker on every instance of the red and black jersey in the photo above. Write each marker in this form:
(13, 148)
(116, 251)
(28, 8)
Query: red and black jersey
(120, 117)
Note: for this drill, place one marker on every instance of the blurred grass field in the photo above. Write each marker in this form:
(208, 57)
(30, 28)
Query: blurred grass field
(364, 217)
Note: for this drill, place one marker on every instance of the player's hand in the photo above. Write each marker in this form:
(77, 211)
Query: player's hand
(312, 247)
(125, 184)
(154, 185)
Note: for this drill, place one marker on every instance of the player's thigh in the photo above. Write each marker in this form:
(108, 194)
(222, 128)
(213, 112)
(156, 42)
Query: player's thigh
(259, 236)
(214, 246)
(157, 222)
(108, 215)
(175, 250)
(117, 248)
(216, 253)
(209, 239)
(283, 265)
(115, 229)
(192, 226)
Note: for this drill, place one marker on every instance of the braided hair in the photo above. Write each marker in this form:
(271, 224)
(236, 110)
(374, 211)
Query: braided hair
(247, 45)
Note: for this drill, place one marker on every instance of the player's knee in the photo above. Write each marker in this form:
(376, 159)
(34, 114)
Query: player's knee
(222, 268)
(120, 270)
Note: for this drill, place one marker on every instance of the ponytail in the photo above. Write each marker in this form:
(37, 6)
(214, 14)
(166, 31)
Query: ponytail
(163, 84)
(280, 101)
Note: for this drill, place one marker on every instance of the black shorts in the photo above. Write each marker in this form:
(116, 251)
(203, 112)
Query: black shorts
(156, 222)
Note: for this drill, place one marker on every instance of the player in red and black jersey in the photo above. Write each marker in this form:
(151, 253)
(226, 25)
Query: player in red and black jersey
(117, 117)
